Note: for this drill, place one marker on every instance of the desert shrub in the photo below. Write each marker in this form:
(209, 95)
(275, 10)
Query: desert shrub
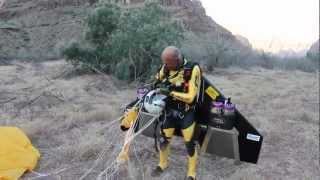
(101, 23)
(314, 57)
(213, 50)
(125, 42)
(267, 60)
(79, 56)
(23, 53)
(298, 63)
(122, 70)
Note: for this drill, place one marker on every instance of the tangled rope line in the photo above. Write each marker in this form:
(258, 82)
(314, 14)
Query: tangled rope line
(112, 165)
(130, 136)
(57, 172)
(138, 159)
(101, 154)
(134, 135)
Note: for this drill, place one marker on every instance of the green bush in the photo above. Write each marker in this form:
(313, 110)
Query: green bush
(314, 57)
(125, 42)
(122, 70)
(302, 63)
(101, 23)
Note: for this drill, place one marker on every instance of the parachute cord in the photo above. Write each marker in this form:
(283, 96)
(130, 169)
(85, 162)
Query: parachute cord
(140, 130)
(101, 154)
(41, 175)
(138, 159)
(130, 136)
(105, 171)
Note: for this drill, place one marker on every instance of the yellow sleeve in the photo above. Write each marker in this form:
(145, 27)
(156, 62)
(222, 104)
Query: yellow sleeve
(160, 74)
(194, 85)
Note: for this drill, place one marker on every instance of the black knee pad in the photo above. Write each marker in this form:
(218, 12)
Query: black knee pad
(191, 147)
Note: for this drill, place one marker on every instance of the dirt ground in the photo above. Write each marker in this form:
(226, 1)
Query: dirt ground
(72, 120)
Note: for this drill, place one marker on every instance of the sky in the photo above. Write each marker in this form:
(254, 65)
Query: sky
(270, 25)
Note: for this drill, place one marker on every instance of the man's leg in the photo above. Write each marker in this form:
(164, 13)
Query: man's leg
(191, 149)
(165, 141)
(166, 137)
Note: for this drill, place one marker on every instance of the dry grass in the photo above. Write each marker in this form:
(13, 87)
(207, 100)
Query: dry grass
(69, 119)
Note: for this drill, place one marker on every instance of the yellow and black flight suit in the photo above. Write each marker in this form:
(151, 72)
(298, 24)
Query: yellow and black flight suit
(180, 112)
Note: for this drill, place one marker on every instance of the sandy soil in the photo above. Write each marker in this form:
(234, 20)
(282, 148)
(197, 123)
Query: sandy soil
(72, 121)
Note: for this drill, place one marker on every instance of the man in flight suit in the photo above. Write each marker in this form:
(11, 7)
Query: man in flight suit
(183, 79)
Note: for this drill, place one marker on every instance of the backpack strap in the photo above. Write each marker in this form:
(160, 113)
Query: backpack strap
(187, 74)
(188, 67)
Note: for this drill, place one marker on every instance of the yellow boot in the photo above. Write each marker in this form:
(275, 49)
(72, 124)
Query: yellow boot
(192, 165)
(164, 152)
(192, 151)
(164, 155)
(163, 162)
(165, 148)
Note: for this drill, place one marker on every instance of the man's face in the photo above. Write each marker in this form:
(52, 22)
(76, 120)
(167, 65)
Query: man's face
(170, 62)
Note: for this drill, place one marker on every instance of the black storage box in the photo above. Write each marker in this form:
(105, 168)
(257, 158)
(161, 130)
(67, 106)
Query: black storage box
(221, 121)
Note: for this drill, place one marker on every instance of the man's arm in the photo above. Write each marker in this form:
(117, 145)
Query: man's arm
(194, 85)
(158, 77)
(160, 74)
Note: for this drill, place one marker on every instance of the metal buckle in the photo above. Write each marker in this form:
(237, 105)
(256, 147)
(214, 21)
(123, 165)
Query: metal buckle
(187, 108)
(181, 115)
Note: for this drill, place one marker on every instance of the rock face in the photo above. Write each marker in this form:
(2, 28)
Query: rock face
(194, 16)
(244, 41)
(315, 49)
(37, 28)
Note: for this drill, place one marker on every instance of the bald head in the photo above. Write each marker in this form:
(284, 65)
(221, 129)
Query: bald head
(171, 57)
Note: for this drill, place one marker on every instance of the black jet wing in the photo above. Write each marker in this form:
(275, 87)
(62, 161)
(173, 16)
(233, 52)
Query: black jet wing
(249, 139)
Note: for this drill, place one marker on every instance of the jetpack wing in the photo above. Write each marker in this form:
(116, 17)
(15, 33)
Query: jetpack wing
(249, 139)
(243, 142)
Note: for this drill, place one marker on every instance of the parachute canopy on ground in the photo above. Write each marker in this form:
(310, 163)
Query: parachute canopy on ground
(17, 155)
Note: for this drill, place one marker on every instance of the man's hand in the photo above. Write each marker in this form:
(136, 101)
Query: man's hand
(164, 91)
(155, 84)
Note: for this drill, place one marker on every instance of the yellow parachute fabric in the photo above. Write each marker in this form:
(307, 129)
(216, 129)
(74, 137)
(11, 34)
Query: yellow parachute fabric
(129, 117)
(17, 154)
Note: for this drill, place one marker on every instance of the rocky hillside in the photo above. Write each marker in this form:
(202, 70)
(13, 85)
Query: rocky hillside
(244, 41)
(36, 29)
(315, 48)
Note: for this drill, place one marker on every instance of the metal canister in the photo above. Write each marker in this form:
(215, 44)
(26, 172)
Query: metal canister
(217, 111)
(217, 108)
(141, 92)
(229, 115)
(229, 109)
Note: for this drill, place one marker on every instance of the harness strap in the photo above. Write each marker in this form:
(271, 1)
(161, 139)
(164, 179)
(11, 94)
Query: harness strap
(155, 136)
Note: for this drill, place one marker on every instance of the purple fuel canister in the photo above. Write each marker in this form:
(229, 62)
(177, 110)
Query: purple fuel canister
(217, 108)
(229, 109)
(141, 92)
(223, 115)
